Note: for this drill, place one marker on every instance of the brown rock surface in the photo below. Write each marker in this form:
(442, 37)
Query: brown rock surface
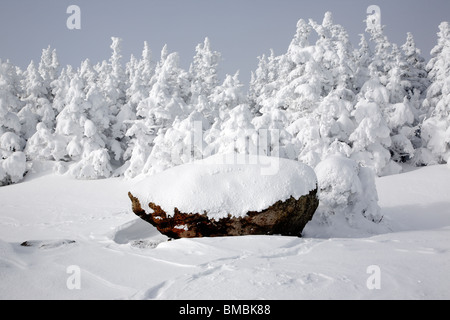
(284, 218)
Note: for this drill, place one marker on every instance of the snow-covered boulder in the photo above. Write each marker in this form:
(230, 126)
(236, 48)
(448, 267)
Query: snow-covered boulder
(228, 195)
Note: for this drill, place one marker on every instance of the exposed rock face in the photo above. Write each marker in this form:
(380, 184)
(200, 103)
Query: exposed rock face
(284, 218)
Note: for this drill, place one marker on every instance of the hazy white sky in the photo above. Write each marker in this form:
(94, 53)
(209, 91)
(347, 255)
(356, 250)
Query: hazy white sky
(240, 29)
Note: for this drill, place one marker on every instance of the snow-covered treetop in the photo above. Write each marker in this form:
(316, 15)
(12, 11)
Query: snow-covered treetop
(378, 104)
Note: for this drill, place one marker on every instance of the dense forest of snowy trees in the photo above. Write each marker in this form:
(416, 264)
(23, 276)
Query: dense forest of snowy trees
(379, 104)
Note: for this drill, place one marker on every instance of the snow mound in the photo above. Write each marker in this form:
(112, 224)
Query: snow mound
(137, 233)
(348, 200)
(227, 184)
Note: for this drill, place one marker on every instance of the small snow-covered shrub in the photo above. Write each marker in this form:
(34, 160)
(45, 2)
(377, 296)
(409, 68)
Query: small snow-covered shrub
(45, 145)
(347, 197)
(13, 168)
(94, 165)
(10, 141)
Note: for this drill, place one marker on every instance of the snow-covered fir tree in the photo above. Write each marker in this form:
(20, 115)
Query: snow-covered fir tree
(379, 104)
(371, 139)
(363, 58)
(203, 78)
(182, 143)
(274, 139)
(49, 69)
(203, 70)
(398, 71)
(38, 107)
(157, 113)
(10, 104)
(237, 133)
(226, 97)
(263, 82)
(436, 128)
(46, 145)
(140, 74)
(12, 159)
(70, 121)
(416, 67)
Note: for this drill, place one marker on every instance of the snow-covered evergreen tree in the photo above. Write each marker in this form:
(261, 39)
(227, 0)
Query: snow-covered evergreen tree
(165, 101)
(401, 113)
(363, 58)
(38, 108)
(300, 77)
(334, 115)
(416, 66)
(274, 139)
(307, 141)
(348, 195)
(398, 70)
(48, 69)
(10, 104)
(237, 134)
(60, 88)
(140, 76)
(371, 139)
(182, 143)
(157, 113)
(264, 82)
(80, 125)
(203, 71)
(224, 98)
(316, 100)
(397, 83)
(12, 159)
(113, 82)
(95, 159)
(203, 80)
(45, 145)
(139, 149)
(97, 109)
(436, 128)
(381, 60)
(116, 80)
(70, 121)
(13, 168)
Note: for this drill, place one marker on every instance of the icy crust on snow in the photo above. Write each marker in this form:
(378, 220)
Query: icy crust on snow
(226, 185)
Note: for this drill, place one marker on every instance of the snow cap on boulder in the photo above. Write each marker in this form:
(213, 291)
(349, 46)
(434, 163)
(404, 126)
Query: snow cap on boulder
(224, 185)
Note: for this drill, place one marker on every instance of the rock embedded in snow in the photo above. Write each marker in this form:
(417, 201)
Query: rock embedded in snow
(48, 244)
(228, 195)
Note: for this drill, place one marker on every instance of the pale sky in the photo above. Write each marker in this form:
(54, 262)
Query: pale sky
(241, 30)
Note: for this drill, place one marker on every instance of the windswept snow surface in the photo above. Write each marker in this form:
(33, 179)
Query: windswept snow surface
(227, 184)
(117, 256)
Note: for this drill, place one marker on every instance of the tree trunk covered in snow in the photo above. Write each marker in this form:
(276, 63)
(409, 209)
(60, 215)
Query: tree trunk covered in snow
(286, 218)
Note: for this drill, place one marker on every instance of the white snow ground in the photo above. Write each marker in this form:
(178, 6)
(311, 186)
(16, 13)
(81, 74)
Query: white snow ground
(119, 256)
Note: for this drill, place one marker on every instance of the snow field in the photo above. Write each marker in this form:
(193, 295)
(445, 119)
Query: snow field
(122, 257)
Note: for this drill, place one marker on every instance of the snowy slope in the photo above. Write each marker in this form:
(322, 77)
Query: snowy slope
(122, 257)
